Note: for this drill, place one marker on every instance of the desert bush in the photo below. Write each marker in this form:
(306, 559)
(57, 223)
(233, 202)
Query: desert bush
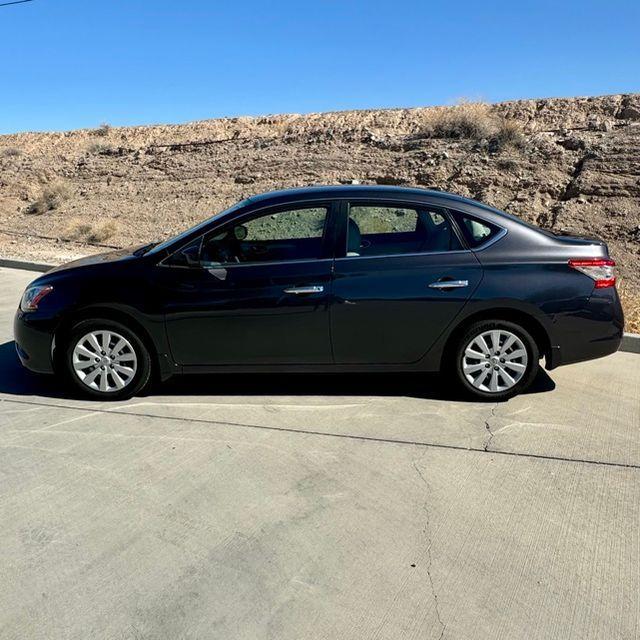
(508, 134)
(92, 233)
(103, 129)
(472, 120)
(11, 152)
(51, 198)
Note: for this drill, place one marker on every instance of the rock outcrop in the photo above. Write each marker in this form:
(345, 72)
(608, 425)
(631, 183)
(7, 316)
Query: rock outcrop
(570, 165)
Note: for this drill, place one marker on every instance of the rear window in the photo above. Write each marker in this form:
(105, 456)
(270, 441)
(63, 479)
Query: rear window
(476, 232)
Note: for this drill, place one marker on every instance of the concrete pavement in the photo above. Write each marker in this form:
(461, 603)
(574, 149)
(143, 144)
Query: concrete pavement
(319, 507)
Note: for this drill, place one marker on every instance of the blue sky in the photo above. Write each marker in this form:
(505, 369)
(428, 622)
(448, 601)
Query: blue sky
(68, 64)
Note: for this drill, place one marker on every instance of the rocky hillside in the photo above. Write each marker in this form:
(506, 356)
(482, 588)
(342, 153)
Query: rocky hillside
(566, 164)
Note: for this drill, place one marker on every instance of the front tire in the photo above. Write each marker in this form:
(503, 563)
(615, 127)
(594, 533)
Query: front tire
(103, 359)
(495, 360)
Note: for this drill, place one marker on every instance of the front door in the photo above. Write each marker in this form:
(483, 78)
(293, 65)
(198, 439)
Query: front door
(253, 292)
(403, 278)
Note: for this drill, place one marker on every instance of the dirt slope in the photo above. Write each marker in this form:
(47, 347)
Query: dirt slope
(567, 164)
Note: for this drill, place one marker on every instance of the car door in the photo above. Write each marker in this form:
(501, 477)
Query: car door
(401, 276)
(254, 291)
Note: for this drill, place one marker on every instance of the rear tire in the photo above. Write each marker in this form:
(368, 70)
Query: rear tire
(105, 360)
(495, 360)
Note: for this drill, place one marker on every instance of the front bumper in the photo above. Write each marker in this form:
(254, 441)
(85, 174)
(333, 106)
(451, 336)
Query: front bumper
(34, 340)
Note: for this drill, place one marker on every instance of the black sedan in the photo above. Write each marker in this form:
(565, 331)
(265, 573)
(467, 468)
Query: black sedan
(352, 278)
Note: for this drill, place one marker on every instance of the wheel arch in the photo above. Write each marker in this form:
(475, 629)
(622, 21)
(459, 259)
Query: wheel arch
(107, 313)
(528, 322)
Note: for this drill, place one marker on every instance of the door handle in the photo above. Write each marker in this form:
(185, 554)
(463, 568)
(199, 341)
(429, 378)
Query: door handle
(449, 284)
(299, 291)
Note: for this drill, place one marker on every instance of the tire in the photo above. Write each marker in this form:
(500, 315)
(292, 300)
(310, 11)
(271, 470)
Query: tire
(125, 366)
(501, 374)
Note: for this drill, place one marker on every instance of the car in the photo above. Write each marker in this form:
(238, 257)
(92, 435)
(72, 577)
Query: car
(329, 279)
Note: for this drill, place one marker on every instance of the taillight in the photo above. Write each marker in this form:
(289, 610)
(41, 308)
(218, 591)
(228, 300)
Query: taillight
(601, 270)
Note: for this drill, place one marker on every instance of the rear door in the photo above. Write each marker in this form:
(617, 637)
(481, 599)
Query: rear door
(402, 277)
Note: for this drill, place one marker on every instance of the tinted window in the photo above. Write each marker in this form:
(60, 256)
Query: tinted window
(476, 231)
(292, 234)
(383, 230)
(288, 225)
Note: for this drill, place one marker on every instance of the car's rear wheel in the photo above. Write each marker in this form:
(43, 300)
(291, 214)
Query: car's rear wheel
(106, 360)
(496, 360)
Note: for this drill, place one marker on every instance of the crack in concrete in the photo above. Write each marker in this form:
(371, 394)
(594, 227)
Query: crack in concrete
(300, 431)
(487, 426)
(427, 531)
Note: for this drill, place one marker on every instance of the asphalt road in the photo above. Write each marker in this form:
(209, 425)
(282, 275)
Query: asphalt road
(303, 507)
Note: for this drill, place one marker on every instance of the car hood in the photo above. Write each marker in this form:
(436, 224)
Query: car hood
(117, 255)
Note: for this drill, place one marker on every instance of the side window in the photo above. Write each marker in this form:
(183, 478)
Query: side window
(384, 230)
(476, 232)
(291, 234)
(294, 224)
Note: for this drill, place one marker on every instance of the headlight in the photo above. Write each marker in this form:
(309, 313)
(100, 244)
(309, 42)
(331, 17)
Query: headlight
(33, 295)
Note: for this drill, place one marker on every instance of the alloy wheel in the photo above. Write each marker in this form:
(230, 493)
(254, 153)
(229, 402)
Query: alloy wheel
(104, 361)
(495, 361)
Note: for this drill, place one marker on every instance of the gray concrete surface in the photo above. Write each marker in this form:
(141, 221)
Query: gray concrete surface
(320, 507)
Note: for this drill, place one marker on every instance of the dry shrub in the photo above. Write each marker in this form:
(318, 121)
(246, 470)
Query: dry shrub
(472, 120)
(11, 152)
(631, 305)
(51, 198)
(91, 233)
(102, 130)
(476, 121)
(508, 133)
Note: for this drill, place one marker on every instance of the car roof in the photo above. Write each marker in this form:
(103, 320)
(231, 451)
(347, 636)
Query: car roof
(387, 192)
(320, 192)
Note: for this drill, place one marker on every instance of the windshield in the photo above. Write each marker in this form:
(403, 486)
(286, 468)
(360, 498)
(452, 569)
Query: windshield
(176, 239)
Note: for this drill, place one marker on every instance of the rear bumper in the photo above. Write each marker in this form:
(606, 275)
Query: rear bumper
(594, 331)
(34, 339)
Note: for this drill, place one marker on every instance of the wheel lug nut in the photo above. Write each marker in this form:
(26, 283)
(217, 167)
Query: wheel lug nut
(495, 368)
(501, 359)
(488, 366)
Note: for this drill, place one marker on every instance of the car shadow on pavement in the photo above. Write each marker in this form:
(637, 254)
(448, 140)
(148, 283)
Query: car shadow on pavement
(16, 380)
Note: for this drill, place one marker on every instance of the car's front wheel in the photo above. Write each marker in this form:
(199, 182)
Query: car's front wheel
(496, 359)
(106, 360)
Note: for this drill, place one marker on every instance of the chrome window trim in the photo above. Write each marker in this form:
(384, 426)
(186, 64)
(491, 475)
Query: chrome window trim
(405, 255)
(228, 265)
